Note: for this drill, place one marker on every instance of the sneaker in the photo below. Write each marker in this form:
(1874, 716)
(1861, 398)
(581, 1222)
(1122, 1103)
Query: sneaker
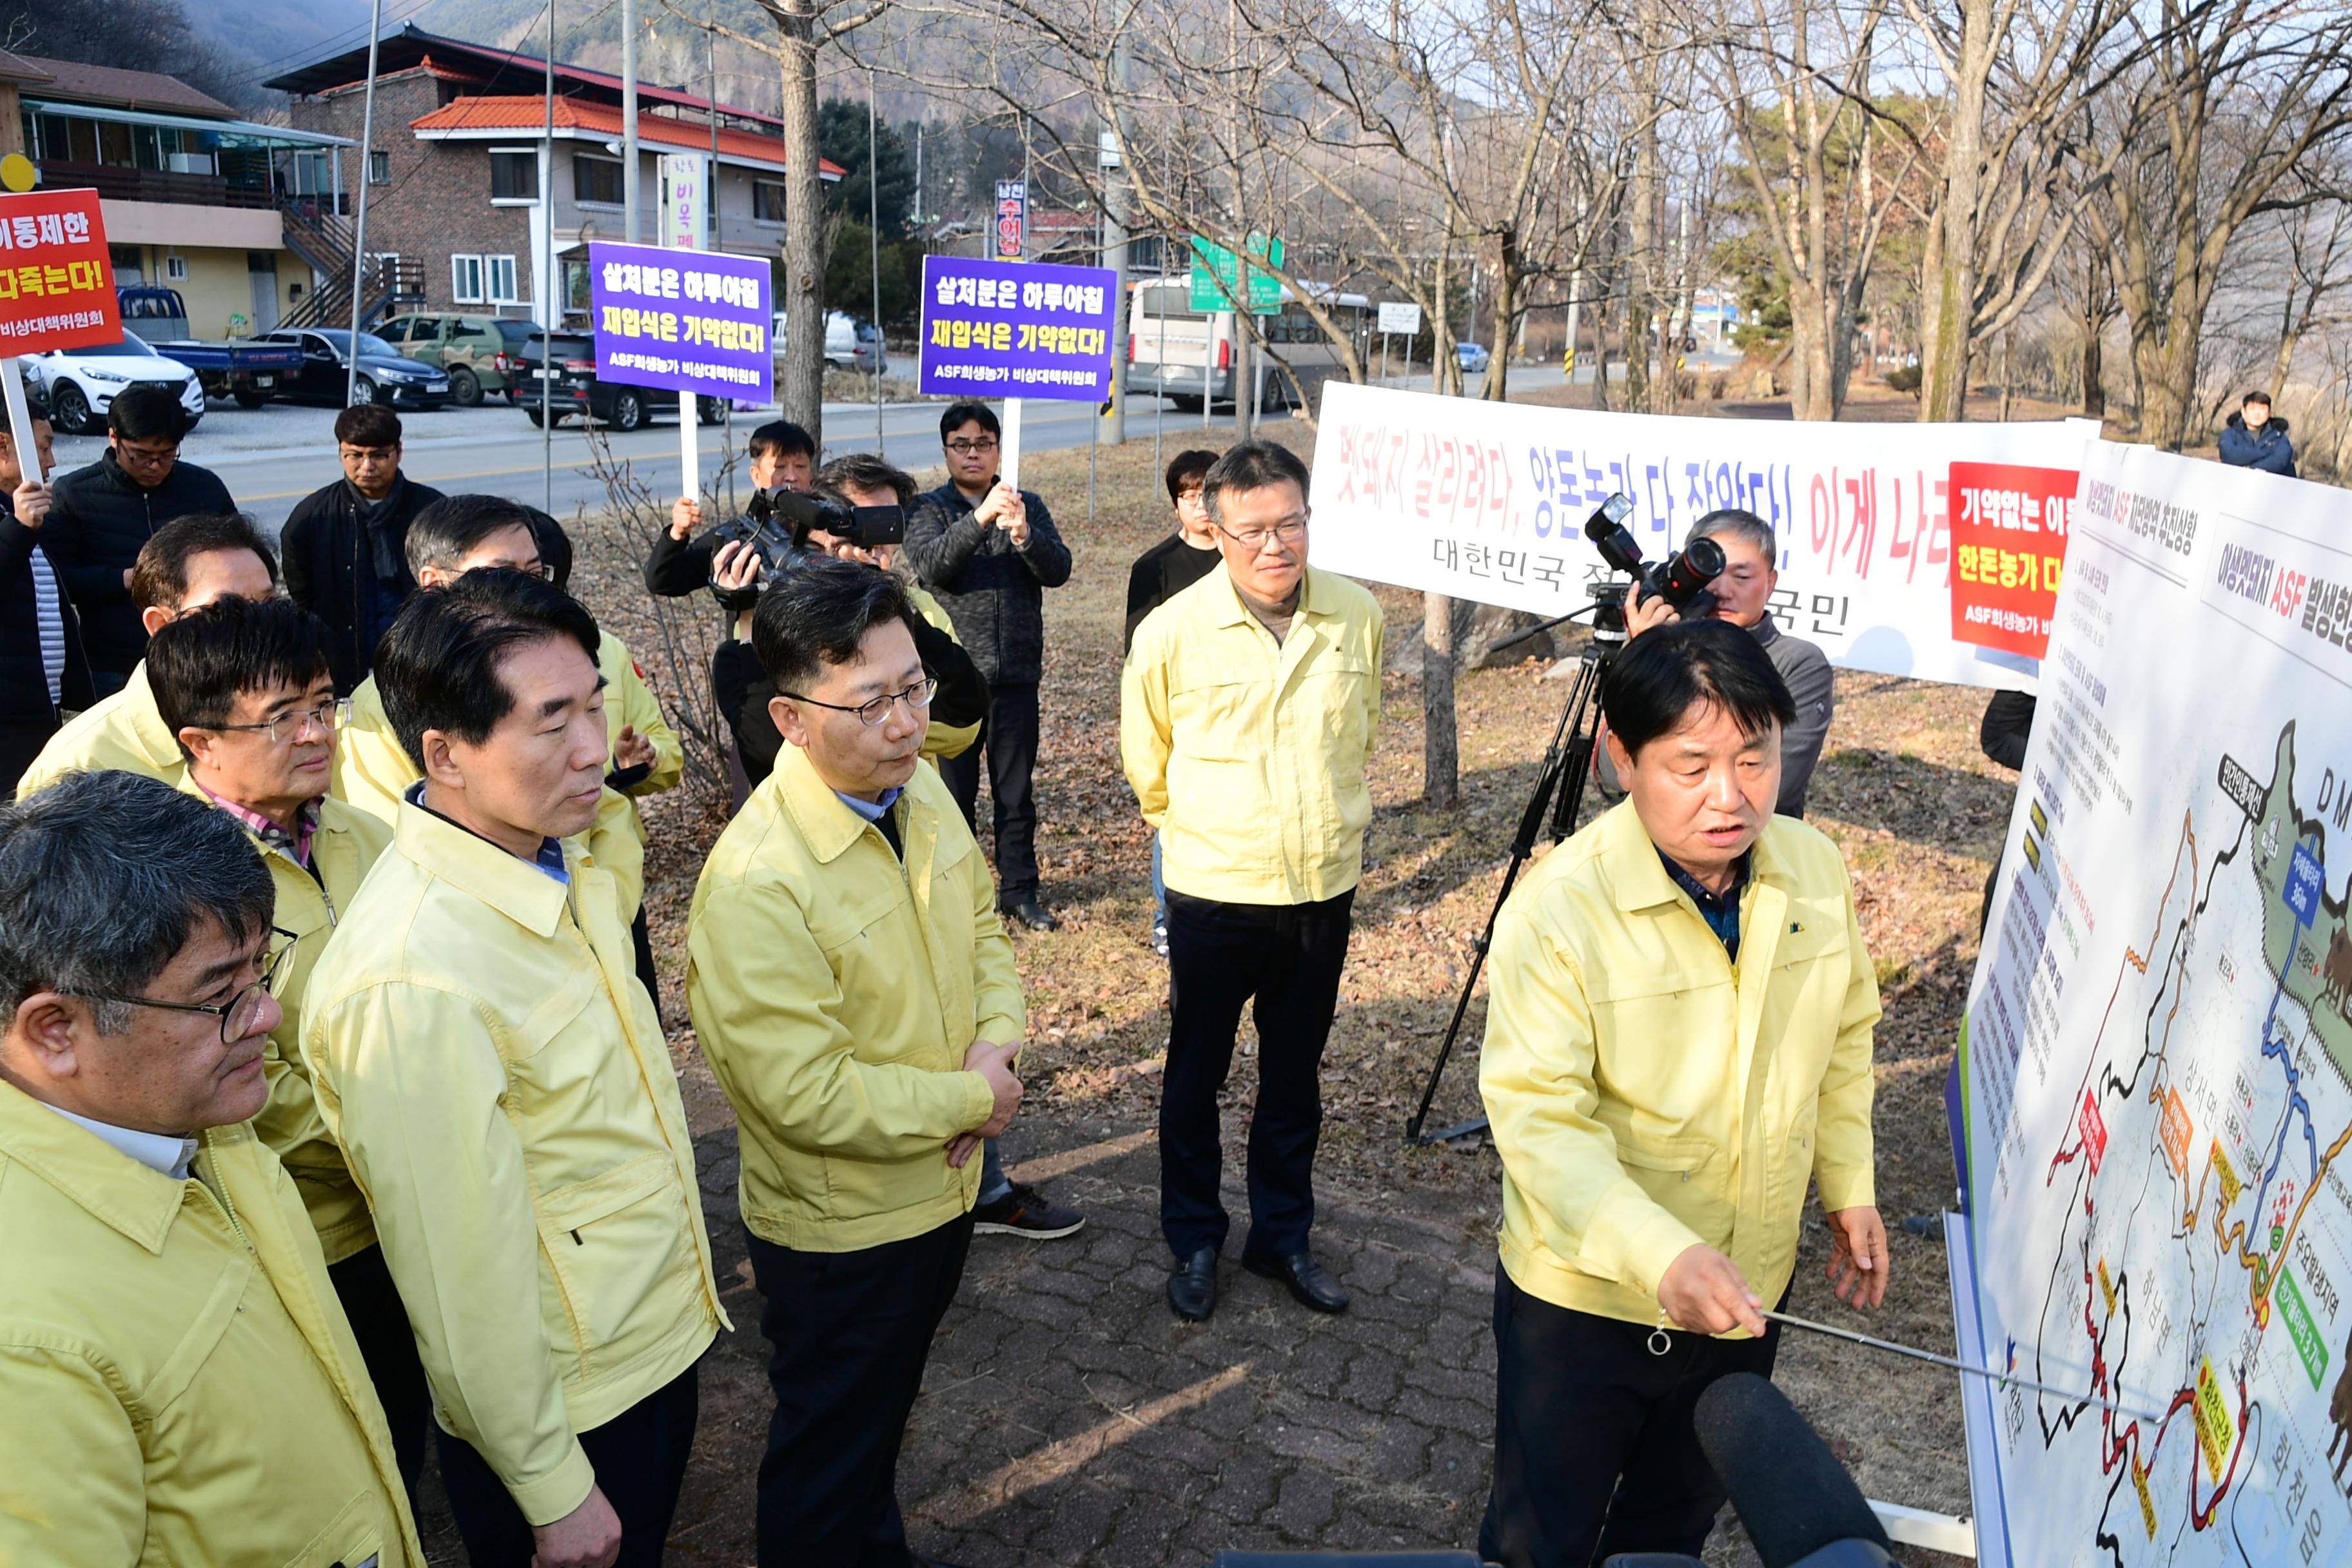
(1160, 938)
(1025, 1211)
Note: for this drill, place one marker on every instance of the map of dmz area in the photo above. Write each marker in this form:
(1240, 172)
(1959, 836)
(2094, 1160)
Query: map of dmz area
(2206, 1220)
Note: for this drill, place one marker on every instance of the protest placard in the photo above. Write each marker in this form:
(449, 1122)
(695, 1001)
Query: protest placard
(1487, 502)
(1015, 329)
(57, 287)
(692, 321)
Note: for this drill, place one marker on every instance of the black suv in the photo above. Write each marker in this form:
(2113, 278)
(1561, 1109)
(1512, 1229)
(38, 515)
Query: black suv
(577, 389)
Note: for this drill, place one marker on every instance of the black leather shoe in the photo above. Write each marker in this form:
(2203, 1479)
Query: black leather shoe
(1303, 1277)
(1192, 1288)
(1025, 909)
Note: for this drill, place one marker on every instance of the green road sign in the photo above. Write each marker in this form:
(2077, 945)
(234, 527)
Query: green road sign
(1214, 264)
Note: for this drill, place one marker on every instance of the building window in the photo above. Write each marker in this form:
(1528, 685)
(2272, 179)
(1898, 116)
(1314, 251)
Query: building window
(768, 200)
(514, 177)
(466, 279)
(175, 269)
(379, 168)
(501, 277)
(596, 179)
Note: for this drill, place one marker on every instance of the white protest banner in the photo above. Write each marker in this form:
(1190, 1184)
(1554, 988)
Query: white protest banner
(1487, 501)
(2156, 1070)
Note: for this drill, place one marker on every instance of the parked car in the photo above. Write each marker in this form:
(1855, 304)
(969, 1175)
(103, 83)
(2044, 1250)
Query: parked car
(577, 389)
(385, 376)
(249, 371)
(82, 384)
(477, 351)
(1472, 357)
(849, 343)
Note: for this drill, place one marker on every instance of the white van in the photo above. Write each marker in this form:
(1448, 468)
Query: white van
(1174, 349)
(849, 343)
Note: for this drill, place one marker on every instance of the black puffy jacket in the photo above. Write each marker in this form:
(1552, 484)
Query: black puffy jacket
(993, 592)
(335, 569)
(97, 520)
(24, 679)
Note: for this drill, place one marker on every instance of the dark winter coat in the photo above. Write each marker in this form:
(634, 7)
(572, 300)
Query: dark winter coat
(24, 679)
(2267, 449)
(99, 518)
(993, 591)
(351, 577)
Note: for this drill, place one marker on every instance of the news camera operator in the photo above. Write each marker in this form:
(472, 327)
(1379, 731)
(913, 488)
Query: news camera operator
(1742, 593)
(1678, 1041)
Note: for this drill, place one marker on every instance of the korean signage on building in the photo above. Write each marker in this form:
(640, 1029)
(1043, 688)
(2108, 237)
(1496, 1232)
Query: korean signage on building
(57, 288)
(683, 210)
(692, 321)
(1016, 329)
(1011, 230)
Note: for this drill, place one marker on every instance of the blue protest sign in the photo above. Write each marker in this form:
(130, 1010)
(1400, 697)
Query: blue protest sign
(1017, 329)
(691, 320)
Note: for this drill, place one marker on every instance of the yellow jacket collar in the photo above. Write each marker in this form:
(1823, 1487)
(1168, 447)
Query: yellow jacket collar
(515, 888)
(1314, 599)
(113, 1187)
(1637, 877)
(826, 826)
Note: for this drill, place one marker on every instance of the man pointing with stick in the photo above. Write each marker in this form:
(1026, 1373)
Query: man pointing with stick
(1678, 1042)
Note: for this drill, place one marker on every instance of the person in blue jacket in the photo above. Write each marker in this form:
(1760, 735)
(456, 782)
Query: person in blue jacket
(2252, 439)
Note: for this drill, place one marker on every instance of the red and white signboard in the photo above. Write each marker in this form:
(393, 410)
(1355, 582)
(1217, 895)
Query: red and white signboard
(57, 287)
(2008, 552)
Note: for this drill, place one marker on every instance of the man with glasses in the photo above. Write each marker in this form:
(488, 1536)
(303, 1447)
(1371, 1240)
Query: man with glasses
(454, 535)
(249, 691)
(988, 552)
(854, 994)
(102, 514)
(345, 544)
(191, 562)
(180, 1383)
(497, 1079)
(1247, 713)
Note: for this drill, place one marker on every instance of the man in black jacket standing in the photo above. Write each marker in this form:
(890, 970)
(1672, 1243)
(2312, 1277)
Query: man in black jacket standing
(989, 553)
(344, 546)
(42, 672)
(101, 515)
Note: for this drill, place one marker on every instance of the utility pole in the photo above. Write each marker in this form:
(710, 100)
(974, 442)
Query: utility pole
(1245, 402)
(550, 311)
(359, 230)
(873, 251)
(628, 121)
(1112, 156)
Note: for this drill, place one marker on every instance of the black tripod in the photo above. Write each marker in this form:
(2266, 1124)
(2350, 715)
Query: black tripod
(1567, 760)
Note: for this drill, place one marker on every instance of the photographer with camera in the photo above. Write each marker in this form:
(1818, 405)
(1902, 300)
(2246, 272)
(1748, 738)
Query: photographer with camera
(1740, 592)
(684, 559)
(1678, 1041)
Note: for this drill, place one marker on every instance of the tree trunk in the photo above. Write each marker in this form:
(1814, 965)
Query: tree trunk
(2095, 392)
(1947, 293)
(1441, 773)
(1507, 303)
(800, 390)
(1641, 267)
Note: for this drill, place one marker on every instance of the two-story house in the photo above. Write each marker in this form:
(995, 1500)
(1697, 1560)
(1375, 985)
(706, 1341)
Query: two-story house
(481, 201)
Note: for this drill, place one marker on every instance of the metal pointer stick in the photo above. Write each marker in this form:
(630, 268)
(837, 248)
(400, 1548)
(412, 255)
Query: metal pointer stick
(2070, 1394)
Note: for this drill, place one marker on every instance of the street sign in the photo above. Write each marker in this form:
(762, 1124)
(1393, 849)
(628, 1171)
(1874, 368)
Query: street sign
(1397, 317)
(1214, 265)
(1012, 218)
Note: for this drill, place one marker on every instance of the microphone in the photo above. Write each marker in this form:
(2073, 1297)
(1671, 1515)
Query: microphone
(1800, 1507)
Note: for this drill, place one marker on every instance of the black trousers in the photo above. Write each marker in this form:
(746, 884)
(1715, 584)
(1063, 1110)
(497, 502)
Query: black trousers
(639, 1457)
(1009, 742)
(20, 744)
(1287, 958)
(363, 1284)
(848, 1334)
(1594, 1451)
(640, 936)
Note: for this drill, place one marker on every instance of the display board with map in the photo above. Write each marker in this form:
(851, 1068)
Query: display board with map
(2156, 1069)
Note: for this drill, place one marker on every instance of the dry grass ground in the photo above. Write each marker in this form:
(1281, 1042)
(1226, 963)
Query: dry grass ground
(1902, 788)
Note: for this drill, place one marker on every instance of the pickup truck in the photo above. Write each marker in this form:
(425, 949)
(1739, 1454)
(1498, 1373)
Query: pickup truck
(249, 371)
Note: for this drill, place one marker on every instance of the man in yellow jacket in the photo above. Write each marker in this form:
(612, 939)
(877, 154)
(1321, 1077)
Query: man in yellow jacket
(1246, 714)
(249, 691)
(482, 1050)
(454, 535)
(854, 991)
(1678, 1041)
(179, 1382)
(188, 562)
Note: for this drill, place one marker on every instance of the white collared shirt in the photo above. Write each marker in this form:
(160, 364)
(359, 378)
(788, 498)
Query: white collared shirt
(159, 1152)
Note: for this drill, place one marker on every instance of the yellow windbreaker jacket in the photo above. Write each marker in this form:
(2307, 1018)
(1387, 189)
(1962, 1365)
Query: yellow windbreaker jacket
(179, 1381)
(497, 1077)
(1645, 1093)
(628, 701)
(834, 992)
(122, 731)
(1248, 755)
(372, 771)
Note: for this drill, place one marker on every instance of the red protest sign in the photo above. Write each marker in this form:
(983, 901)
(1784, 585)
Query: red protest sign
(57, 288)
(2008, 552)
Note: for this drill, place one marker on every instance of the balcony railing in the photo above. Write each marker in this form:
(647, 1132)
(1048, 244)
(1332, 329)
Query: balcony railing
(116, 184)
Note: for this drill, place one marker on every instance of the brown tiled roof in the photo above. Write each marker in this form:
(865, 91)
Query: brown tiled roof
(118, 89)
(487, 112)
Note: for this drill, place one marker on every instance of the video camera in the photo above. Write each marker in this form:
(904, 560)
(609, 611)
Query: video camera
(1680, 580)
(777, 524)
